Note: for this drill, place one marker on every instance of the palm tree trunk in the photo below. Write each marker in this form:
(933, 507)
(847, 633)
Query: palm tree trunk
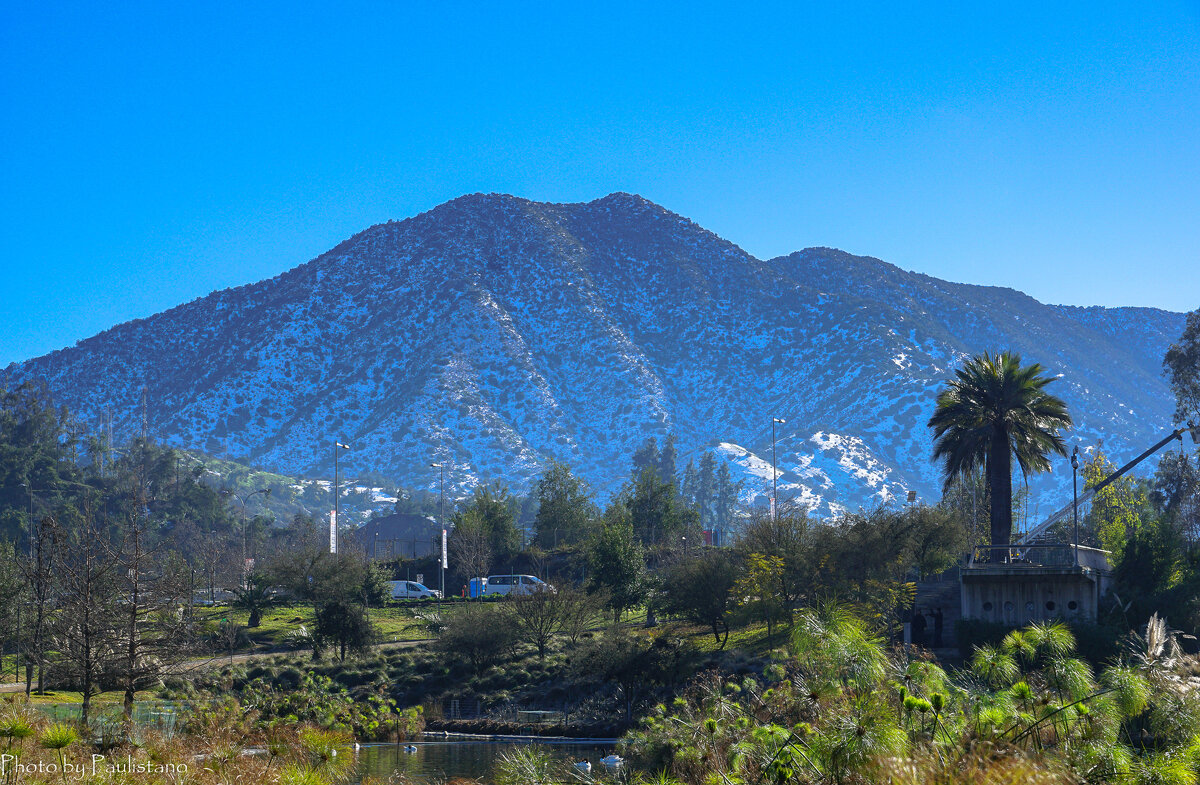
(999, 470)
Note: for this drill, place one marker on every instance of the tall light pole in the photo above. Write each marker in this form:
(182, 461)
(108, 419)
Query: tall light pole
(441, 467)
(774, 472)
(1075, 498)
(242, 500)
(337, 523)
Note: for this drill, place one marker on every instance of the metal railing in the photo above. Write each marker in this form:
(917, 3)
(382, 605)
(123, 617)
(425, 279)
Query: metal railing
(1039, 555)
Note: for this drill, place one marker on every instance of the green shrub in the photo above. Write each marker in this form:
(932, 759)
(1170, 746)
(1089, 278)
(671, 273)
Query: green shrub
(289, 678)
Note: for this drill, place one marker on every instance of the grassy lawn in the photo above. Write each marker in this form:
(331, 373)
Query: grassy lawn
(394, 623)
(8, 666)
(102, 701)
(752, 639)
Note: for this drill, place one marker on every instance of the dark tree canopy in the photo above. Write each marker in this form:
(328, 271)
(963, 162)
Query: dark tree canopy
(493, 512)
(1182, 368)
(343, 624)
(565, 507)
(615, 562)
(699, 590)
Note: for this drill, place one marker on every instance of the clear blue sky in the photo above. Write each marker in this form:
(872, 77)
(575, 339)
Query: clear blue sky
(153, 152)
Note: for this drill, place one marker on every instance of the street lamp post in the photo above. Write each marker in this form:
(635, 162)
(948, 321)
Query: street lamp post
(337, 523)
(441, 467)
(774, 471)
(1075, 498)
(242, 500)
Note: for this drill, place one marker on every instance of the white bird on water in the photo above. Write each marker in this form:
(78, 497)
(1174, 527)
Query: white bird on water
(612, 761)
(583, 765)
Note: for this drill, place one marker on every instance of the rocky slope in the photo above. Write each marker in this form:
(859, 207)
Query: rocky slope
(494, 333)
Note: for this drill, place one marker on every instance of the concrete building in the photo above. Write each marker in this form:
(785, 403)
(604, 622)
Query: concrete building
(1031, 583)
(399, 535)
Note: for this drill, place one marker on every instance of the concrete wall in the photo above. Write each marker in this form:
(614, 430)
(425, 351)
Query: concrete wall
(1018, 596)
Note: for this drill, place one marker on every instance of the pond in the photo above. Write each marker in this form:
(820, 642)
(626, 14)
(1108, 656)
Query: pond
(436, 760)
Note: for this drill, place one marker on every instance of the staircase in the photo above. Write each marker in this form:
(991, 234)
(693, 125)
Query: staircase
(945, 592)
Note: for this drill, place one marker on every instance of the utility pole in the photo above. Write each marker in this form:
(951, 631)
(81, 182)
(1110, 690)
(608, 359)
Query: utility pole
(440, 544)
(242, 500)
(442, 524)
(1075, 497)
(337, 523)
(774, 472)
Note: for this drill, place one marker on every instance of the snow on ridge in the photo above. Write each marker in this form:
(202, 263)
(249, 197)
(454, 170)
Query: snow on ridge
(497, 334)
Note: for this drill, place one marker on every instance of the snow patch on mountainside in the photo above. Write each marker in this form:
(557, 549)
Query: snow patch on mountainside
(493, 334)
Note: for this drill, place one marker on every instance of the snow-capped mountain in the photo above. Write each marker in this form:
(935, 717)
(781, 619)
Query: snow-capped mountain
(494, 333)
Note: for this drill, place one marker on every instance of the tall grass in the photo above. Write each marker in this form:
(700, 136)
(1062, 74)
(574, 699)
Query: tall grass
(214, 752)
(839, 708)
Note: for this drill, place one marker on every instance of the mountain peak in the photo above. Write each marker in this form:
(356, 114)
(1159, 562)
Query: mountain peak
(624, 199)
(494, 333)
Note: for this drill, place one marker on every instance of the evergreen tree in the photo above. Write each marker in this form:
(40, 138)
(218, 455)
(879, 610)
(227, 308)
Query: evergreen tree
(1176, 491)
(493, 511)
(656, 511)
(615, 562)
(728, 492)
(1182, 367)
(35, 461)
(646, 457)
(1177, 483)
(343, 624)
(699, 590)
(565, 507)
(668, 459)
(995, 409)
(706, 489)
(691, 482)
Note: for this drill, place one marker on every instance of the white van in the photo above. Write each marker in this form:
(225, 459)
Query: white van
(411, 590)
(514, 584)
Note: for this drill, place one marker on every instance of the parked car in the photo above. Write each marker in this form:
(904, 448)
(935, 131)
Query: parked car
(514, 584)
(411, 590)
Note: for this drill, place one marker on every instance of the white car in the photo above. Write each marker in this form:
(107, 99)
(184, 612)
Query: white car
(514, 584)
(411, 590)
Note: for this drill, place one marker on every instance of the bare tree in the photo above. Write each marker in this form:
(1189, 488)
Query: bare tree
(537, 617)
(579, 610)
(38, 573)
(157, 637)
(471, 548)
(88, 614)
(215, 556)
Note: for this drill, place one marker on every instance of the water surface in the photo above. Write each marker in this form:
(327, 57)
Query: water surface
(438, 760)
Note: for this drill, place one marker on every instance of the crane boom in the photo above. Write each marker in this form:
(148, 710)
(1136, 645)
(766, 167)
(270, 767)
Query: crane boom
(1060, 515)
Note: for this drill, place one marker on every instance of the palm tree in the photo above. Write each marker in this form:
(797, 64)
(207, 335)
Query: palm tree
(994, 409)
(255, 597)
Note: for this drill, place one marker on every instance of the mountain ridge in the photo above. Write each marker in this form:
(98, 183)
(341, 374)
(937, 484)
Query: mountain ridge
(496, 333)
